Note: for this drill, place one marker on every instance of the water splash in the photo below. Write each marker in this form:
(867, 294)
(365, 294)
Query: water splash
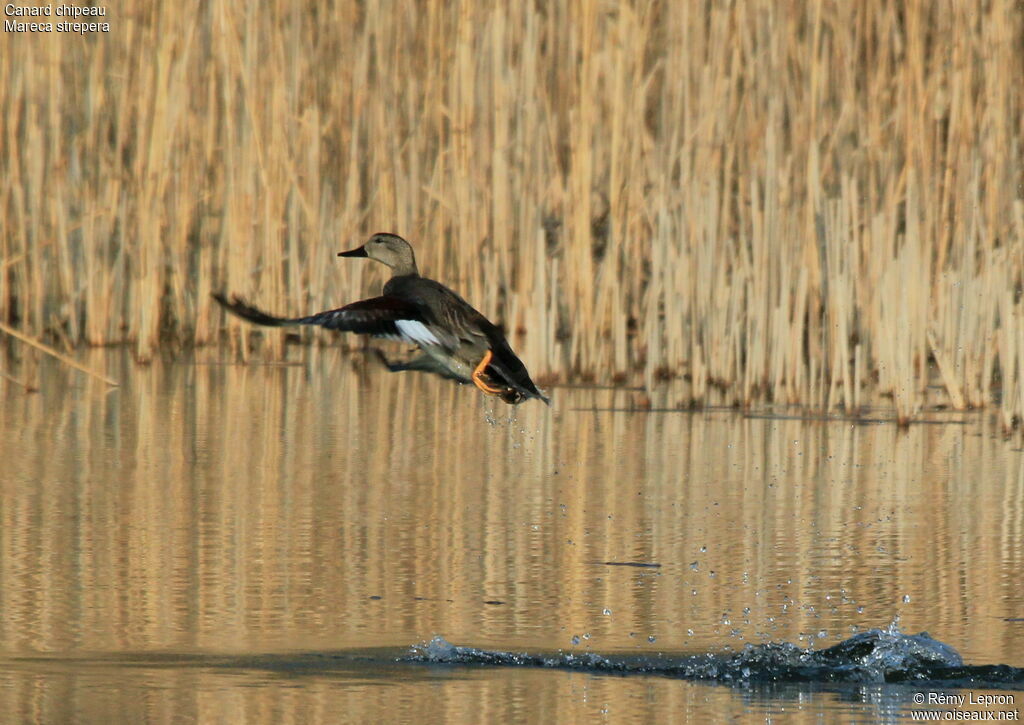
(873, 656)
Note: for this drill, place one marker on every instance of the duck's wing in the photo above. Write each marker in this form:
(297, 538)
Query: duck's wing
(505, 367)
(386, 316)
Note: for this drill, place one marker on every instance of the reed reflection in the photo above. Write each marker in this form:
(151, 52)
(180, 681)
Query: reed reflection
(324, 506)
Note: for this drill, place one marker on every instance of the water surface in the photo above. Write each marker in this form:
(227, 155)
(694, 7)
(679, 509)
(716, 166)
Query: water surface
(218, 542)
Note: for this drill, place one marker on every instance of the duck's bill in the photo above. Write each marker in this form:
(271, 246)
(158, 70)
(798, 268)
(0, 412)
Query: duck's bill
(358, 252)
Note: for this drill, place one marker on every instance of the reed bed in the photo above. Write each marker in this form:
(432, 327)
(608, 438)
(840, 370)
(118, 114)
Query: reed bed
(802, 203)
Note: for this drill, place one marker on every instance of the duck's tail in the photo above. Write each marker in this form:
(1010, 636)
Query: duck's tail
(506, 368)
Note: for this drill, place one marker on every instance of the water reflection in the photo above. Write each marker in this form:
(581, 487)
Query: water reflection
(205, 507)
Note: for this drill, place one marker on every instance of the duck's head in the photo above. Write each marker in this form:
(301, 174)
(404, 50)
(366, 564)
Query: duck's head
(389, 249)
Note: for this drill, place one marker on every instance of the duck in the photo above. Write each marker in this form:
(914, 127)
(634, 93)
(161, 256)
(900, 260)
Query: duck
(455, 340)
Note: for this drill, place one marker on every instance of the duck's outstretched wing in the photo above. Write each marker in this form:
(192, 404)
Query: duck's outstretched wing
(385, 316)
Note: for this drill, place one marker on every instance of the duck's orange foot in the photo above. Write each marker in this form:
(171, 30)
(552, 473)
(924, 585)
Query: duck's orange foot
(480, 377)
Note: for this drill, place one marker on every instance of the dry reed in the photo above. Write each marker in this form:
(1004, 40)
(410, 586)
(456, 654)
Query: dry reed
(803, 203)
(55, 354)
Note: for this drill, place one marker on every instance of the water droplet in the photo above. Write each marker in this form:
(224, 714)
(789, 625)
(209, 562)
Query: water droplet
(575, 639)
(703, 549)
(651, 638)
(860, 610)
(894, 625)
(689, 633)
(607, 612)
(586, 635)
(694, 565)
(906, 599)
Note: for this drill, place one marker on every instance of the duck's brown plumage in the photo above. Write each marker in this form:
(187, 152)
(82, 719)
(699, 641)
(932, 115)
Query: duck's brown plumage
(457, 341)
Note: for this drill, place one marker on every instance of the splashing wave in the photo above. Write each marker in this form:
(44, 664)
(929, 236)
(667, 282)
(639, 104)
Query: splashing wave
(878, 656)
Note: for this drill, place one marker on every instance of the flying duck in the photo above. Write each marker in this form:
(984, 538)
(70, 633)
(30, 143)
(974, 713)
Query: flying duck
(457, 342)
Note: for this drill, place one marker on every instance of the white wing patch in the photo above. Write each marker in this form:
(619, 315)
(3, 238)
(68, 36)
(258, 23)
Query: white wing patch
(415, 331)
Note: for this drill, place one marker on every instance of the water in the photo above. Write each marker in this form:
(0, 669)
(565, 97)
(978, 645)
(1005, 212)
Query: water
(323, 541)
